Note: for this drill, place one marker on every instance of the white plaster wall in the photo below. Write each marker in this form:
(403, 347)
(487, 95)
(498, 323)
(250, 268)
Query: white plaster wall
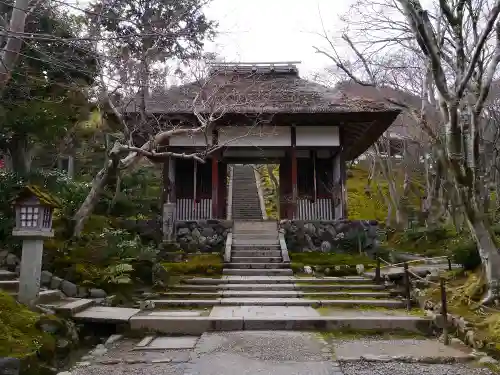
(191, 140)
(261, 136)
(317, 136)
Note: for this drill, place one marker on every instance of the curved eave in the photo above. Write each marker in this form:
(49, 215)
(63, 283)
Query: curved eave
(359, 129)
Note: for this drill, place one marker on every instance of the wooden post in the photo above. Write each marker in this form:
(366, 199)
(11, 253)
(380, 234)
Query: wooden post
(315, 172)
(444, 309)
(215, 187)
(293, 155)
(407, 286)
(449, 264)
(377, 271)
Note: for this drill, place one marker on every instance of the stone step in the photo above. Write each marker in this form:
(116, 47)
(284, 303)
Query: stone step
(334, 280)
(300, 282)
(269, 293)
(257, 259)
(252, 236)
(256, 301)
(333, 287)
(104, 314)
(256, 266)
(255, 242)
(7, 275)
(74, 306)
(272, 293)
(256, 272)
(255, 253)
(178, 325)
(9, 285)
(240, 226)
(236, 247)
(50, 296)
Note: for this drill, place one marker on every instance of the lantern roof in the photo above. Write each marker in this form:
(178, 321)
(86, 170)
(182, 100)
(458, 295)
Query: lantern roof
(44, 197)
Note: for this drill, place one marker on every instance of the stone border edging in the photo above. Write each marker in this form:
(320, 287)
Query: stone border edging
(229, 215)
(407, 359)
(464, 331)
(284, 249)
(228, 246)
(260, 193)
(70, 289)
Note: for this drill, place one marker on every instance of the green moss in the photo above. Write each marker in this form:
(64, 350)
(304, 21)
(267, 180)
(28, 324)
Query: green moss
(376, 334)
(317, 258)
(196, 265)
(332, 311)
(19, 335)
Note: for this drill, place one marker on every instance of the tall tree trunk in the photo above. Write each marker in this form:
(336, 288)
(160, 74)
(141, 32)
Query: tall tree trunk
(20, 155)
(10, 52)
(490, 256)
(98, 185)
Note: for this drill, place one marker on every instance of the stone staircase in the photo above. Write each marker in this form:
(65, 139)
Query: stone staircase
(256, 250)
(245, 201)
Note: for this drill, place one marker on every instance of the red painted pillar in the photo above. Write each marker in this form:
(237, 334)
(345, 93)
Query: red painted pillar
(222, 201)
(294, 182)
(215, 187)
(293, 156)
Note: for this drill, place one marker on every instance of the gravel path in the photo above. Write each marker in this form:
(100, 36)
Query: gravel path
(364, 368)
(263, 353)
(271, 353)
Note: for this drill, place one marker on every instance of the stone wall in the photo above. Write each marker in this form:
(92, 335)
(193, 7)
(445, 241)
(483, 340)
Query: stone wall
(11, 262)
(202, 235)
(331, 236)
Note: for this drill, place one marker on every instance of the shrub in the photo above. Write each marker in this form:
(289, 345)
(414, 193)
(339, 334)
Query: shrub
(466, 254)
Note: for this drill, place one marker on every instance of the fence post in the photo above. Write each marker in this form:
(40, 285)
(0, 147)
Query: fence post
(449, 264)
(407, 286)
(444, 309)
(377, 271)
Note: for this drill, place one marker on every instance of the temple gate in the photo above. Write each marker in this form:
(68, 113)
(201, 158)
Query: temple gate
(267, 114)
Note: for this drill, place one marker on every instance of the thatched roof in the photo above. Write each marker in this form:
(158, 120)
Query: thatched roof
(235, 90)
(404, 126)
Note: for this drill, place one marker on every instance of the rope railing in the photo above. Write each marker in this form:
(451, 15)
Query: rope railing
(408, 273)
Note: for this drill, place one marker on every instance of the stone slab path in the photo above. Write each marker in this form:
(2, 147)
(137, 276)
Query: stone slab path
(271, 353)
(263, 311)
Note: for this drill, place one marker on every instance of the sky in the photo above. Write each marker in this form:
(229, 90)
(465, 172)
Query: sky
(275, 30)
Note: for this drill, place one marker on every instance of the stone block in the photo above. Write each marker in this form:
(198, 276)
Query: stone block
(97, 293)
(55, 282)
(74, 307)
(10, 366)
(68, 288)
(227, 324)
(45, 278)
(171, 325)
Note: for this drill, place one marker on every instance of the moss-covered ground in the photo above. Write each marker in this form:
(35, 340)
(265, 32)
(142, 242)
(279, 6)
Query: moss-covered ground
(19, 336)
(202, 265)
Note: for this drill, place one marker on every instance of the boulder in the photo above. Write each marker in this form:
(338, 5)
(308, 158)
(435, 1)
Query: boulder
(55, 282)
(97, 293)
(11, 261)
(207, 232)
(45, 278)
(182, 232)
(195, 233)
(3, 255)
(10, 366)
(326, 246)
(68, 288)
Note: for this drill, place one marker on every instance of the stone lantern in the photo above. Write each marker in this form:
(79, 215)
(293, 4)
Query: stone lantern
(34, 209)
